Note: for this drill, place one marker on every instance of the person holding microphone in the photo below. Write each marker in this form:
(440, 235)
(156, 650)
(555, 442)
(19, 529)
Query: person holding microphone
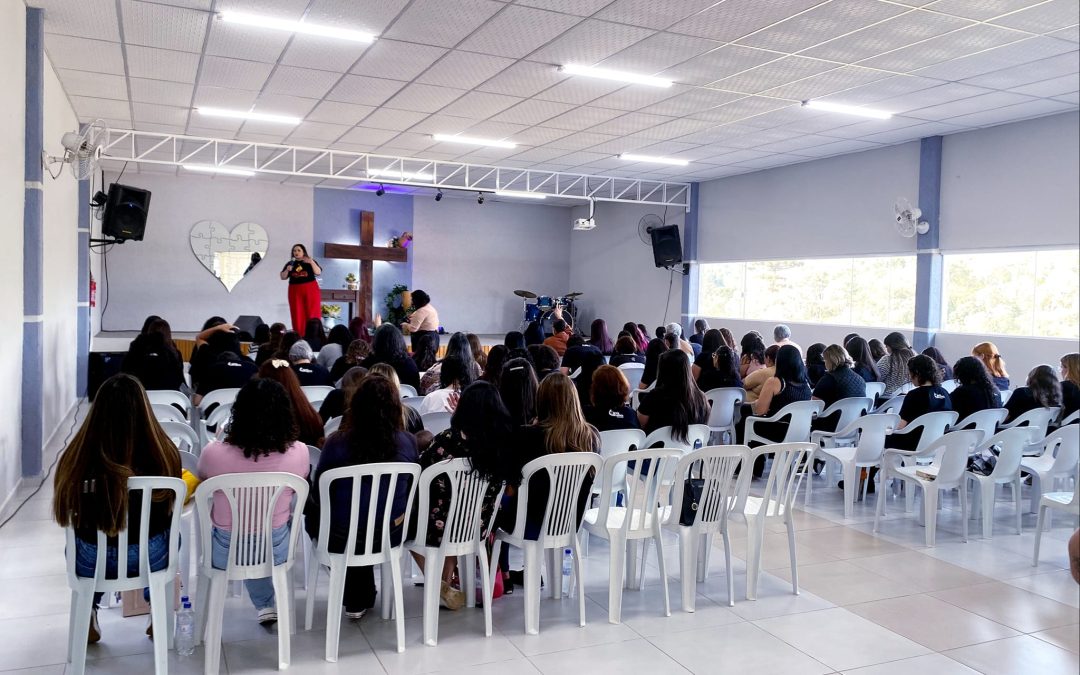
(305, 301)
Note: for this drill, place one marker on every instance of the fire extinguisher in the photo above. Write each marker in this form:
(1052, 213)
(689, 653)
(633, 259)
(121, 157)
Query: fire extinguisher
(93, 291)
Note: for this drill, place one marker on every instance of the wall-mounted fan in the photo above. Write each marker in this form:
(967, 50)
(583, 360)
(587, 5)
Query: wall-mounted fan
(82, 149)
(909, 219)
(646, 225)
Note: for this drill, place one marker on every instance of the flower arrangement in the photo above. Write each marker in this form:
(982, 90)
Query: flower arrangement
(351, 282)
(398, 306)
(402, 240)
(331, 311)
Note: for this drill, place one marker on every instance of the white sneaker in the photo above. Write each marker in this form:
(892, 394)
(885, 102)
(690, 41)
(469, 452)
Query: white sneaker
(355, 616)
(267, 616)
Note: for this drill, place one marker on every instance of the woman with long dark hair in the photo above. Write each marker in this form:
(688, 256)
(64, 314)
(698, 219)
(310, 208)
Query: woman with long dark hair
(865, 364)
(308, 423)
(939, 358)
(975, 390)
(454, 376)
(375, 434)
(518, 386)
(315, 334)
(724, 371)
(496, 358)
(358, 328)
(787, 385)
(389, 348)
(599, 338)
(893, 367)
(334, 347)
(752, 354)
(676, 401)
(729, 340)
(273, 343)
(336, 403)
(153, 358)
(656, 347)
(119, 438)
(815, 362)
(261, 436)
(710, 342)
(305, 300)
(1043, 390)
(478, 353)
(458, 347)
(626, 351)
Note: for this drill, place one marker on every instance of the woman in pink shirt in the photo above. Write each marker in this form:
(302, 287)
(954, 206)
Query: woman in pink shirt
(261, 436)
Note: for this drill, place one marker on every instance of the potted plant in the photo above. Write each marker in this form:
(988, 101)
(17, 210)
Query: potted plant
(351, 283)
(330, 314)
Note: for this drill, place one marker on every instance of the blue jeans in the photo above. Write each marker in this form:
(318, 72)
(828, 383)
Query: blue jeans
(261, 591)
(86, 559)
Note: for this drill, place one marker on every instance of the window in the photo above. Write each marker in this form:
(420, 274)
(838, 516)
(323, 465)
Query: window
(877, 291)
(1030, 293)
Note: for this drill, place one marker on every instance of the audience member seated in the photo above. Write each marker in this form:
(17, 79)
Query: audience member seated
(729, 340)
(975, 390)
(459, 348)
(599, 338)
(478, 353)
(425, 351)
(583, 380)
(1070, 384)
(638, 335)
(517, 386)
(480, 431)
(787, 385)
(877, 350)
(496, 359)
(389, 348)
(334, 347)
(262, 436)
(939, 358)
(308, 423)
(751, 354)
(315, 334)
(754, 382)
(724, 371)
(700, 326)
(560, 335)
(1043, 390)
(217, 336)
(626, 351)
(676, 401)
(710, 342)
(865, 364)
(839, 382)
(534, 333)
(893, 367)
(374, 434)
(359, 329)
(356, 353)
(230, 371)
(118, 439)
(545, 359)
(577, 350)
(608, 397)
(514, 340)
(271, 346)
(689, 349)
(309, 373)
(815, 363)
(410, 417)
(153, 359)
(782, 336)
(656, 347)
(927, 397)
(848, 338)
(336, 402)
(288, 339)
(988, 353)
(454, 375)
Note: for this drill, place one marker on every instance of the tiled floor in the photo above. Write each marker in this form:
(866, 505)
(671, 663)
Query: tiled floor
(869, 604)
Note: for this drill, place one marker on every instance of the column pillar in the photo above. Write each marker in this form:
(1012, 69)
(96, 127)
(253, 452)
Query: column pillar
(33, 246)
(928, 287)
(690, 251)
(83, 298)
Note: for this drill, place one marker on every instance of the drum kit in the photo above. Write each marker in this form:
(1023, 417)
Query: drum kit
(546, 308)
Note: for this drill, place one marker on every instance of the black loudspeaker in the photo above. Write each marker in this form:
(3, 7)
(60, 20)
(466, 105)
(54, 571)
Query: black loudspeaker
(246, 326)
(125, 213)
(100, 367)
(666, 245)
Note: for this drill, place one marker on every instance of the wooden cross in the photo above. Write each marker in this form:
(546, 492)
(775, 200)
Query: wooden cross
(366, 253)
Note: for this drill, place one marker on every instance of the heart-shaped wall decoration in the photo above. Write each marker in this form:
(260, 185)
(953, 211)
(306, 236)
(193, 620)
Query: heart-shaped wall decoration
(229, 255)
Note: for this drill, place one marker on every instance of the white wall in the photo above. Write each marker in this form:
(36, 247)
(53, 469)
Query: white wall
(61, 203)
(614, 269)
(470, 258)
(160, 275)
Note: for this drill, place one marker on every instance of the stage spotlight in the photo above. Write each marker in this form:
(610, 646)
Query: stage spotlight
(381, 191)
(479, 197)
(438, 196)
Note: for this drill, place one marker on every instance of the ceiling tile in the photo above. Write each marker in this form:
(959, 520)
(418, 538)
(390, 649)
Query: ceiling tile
(658, 52)
(243, 42)
(579, 90)
(635, 98)
(318, 131)
(301, 82)
(996, 99)
(630, 123)
(162, 64)
(913, 133)
(364, 90)
(1072, 99)
(524, 79)
(795, 144)
(718, 64)
(532, 111)
(218, 71)
(411, 142)
(366, 136)
(1057, 86)
(945, 93)
(943, 48)
(784, 71)
(163, 27)
(870, 127)
(464, 70)
(84, 54)
(540, 135)
(979, 10)
(374, 18)
(87, 18)
(518, 31)
(222, 97)
(99, 85)
(991, 60)
(100, 107)
(424, 97)
(160, 114)
(582, 118)
(312, 51)
(1043, 18)
(658, 14)
(590, 42)
(394, 120)
(580, 140)
(335, 112)
(396, 60)
(443, 124)
(161, 92)
(576, 7)
(1008, 78)
(837, 80)
(443, 24)
(895, 33)
(1031, 108)
(888, 87)
(741, 109)
(216, 127)
(480, 105)
(771, 161)
(822, 23)
(501, 130)
(837, 148)
(731, 20)
(673, 129)
(284, 105)
(1071, 34)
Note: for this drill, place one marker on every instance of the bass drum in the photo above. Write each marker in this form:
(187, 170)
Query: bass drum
(548, 318)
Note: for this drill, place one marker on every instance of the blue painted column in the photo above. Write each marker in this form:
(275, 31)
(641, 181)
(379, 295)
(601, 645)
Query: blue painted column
(690, 250)
(33, 246)
(82, 354)
(928, 285)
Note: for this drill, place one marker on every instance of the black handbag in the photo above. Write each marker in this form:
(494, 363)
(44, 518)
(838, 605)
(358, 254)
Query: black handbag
(691, 498)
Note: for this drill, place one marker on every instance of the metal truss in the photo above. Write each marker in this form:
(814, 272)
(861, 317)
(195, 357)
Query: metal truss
(329, 166)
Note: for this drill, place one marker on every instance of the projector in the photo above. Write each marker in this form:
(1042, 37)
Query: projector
(584, 224)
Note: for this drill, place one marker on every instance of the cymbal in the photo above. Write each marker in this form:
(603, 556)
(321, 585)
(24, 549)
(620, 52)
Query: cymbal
(575, 294)
(529, 295)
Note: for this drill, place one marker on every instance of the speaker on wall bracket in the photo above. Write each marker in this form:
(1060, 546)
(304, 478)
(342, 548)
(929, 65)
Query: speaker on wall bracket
(666, 246)
(125, 214)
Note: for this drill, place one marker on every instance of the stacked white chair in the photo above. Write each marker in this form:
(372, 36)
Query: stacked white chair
(218, 418)
(724, 402)
(1010, 444)
(214, 398)
(1058, 459)
(869, 433)
(171, 397)
(1070, 418)
(633, 373)
(182, 436)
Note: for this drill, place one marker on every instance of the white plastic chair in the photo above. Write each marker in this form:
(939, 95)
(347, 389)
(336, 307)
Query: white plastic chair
(1070, 418)
(464, 537)
(161, 582)
(1069, 502)
(170, 397)
(986, 421)
(850, 409)
(331, 426)
(214, 398)
(640, 518)
(776, 502)
(251, 498)
(316, 394)
(933, 426)
(800, 415)
(413, 402)
(407, 390)
(436, 422)
(568, 474)
(1036, 418)
(910, 386)
(948, 467)
(892, 406)
(164, 412)
(633, 373)
(376, 477)
(875, 389)
(181, 434)
(1005, 394)
(217, 418)
(615, 442)
(1010, 444)
(869, 432)
(1058, 460)
(950, 385)
(715, 466)
(724, 401)
(697, 436)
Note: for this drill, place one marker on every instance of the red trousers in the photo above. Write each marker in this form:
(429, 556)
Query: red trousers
(304, 303)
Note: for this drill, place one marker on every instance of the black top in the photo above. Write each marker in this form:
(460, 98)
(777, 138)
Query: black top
(922, 400)
(312, 375)
(703, 361)
(696, 338)
(714, 379)
(404, 366)
(619, 359)
(967, 399)
(341, 366)
(1020, 402)
(228, 372)
(790, 392)
(332, 406)
(575, 356)
(660, 411)
(864, 373)
(609, 420)
(1070, 398)
(840, 383)
(1002, 383)
(299, 272)
(154, 363)
(814, 372)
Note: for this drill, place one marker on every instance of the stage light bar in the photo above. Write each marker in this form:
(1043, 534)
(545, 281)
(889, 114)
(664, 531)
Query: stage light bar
(616, 75)
(212, 168)
(631, 157)
(248, 115)
(394, 174)
(471, 140)
(522, 195)
(847, 109)
(296, 27)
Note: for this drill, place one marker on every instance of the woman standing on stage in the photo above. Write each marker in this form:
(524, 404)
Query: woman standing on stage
(305, 301)
(423, 323)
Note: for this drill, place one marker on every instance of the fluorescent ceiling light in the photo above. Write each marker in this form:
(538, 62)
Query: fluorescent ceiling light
(394, 174)
(470, 140)
(213, 168)
(248, 115)
(617, 75)
(847, 109)
(630, 157)
(523, 195)
(296, 26)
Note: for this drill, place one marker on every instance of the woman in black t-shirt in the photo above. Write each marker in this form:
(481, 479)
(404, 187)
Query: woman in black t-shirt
(676, 401)
(787, 385)
(865, 364)
(939, 358)
(305, 301)
(1043, 390)
(626, 351)
(724, 371)
(389, 348)
(815, 363)
(608, 394)
(153, 358)
(975, 391)
(838, 383)
(927, 397)
(703, 362)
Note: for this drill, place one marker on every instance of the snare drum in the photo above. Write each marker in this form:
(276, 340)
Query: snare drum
(545, 303)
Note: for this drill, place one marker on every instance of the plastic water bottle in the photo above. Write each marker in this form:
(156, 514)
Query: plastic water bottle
(185, 629)
(567, 568)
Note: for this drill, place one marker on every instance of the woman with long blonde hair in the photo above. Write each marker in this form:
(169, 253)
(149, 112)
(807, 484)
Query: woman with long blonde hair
(119, 438)
(988, 353)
